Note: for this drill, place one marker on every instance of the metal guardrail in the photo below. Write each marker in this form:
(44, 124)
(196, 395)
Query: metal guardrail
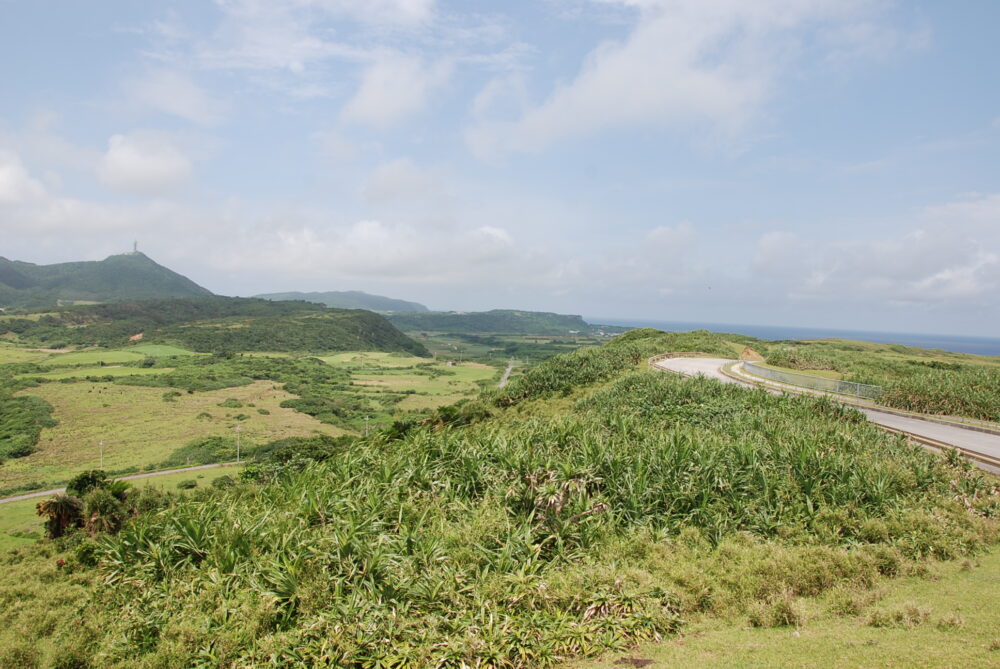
(815, 382)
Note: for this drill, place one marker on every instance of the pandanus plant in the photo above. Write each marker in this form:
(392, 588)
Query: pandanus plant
(64, 511)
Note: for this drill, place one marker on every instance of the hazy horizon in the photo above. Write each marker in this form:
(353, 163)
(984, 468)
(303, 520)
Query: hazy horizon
(818, 163)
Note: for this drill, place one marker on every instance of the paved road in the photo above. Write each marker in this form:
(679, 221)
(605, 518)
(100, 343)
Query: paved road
(980, 442)
(44, 493)
(710, 367)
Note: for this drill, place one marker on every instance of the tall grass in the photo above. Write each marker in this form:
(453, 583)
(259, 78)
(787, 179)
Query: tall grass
(520, 544)
(514, 542)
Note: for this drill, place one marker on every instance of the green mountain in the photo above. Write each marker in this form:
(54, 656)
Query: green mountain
(350, 299)
(212, 324)
(497, 321)
(129, 276)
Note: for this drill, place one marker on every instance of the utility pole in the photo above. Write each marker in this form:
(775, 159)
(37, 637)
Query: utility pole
(102, 453)
(237, 443)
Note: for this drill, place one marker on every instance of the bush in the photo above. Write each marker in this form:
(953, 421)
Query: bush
(222, 482)
(187, 484)
(84, 482)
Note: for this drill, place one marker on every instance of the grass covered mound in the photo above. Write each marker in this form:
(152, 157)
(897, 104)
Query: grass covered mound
(515, 542)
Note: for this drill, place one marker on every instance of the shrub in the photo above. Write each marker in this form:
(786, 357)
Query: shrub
(224, 482)
(187, 484)
(906, 615)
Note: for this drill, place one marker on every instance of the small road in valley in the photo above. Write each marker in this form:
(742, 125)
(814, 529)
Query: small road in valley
(506, 375)
(928, 430)
(130, 477)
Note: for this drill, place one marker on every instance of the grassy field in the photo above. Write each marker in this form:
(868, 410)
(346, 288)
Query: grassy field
(91, 357)
(429, 384)
(108, 370)
(360, 360)
(139, 428)
(945, 619)
(160, 350)
(20, 525)
(447, 385)
(10, 353)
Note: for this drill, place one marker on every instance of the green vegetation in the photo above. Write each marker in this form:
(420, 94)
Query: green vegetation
(213, 324)
(590, 506)
(946, 618)
(349, 299)
(486, 322)
(140, 430)
(913, 379)
(131, 276)
(20, 524)
(21, 422)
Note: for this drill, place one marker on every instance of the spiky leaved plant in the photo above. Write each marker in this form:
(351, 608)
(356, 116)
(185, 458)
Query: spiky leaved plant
(63, 511)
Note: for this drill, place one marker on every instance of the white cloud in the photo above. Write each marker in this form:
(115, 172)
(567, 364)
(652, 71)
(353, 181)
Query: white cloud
(952, 256)
(711, 62)
(405, 12)
(174, 93)
(400, 180)
(393, 88)
(336, 146)
(16, 184)
(143, 163)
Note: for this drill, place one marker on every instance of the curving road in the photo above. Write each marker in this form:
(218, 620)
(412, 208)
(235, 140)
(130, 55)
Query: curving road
(982, 443)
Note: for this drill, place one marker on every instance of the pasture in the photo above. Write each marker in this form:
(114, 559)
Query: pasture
(140, 428)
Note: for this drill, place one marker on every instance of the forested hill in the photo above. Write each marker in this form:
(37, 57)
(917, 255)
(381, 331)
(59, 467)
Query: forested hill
(213, 324)
(499, 321)
(350, 299)
(129, 276)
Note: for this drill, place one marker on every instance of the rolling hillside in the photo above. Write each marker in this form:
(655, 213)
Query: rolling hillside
(497, 321)
(129, 276)
(350, 299)
(214, 324)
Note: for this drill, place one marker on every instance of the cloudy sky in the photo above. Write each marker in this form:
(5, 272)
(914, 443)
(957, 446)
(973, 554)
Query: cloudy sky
(795, 162)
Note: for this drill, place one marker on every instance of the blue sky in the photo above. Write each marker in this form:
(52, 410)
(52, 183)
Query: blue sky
(804, 162)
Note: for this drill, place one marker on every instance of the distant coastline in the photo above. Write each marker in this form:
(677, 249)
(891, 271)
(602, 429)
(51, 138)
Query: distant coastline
(955, 343)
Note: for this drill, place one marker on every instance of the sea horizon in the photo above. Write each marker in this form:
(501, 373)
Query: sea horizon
(989, 346)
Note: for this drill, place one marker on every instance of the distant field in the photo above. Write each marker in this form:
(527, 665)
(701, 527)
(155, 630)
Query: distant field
(139, 428)
(453, 379)
(111, 370)
(160, 350)
(433, 384)
(92, 357)
(372, 359)
(9, 354)
(21, 517)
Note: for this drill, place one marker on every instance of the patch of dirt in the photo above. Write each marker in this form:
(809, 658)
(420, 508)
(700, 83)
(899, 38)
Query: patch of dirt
(751, 355)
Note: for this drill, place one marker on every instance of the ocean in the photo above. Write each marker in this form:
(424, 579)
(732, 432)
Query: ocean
(954, 343)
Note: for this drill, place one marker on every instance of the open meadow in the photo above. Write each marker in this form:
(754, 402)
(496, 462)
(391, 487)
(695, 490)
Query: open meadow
(141, 428)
